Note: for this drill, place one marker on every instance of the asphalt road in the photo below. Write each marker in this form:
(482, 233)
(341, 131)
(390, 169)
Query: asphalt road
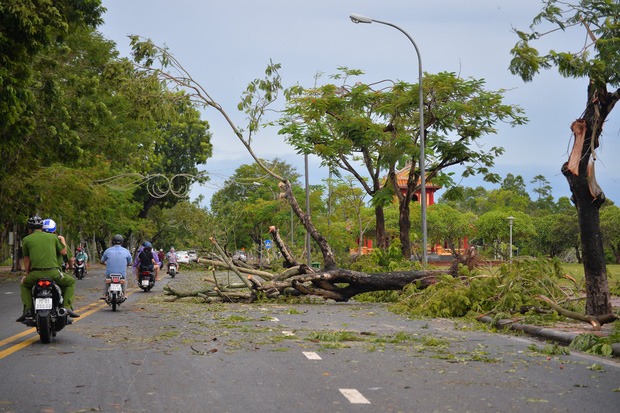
(156, 356)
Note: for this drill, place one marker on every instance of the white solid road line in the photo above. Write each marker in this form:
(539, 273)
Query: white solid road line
(354, 396)
(311, 355)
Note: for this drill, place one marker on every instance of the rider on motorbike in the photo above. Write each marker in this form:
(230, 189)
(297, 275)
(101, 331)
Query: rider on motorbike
(171, 257)
(43, 252)
(81, 255)
(116, 260)
(148, 261)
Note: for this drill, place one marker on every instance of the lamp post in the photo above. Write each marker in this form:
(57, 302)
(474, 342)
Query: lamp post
(356, 18)
(307, 209)
(510, 219)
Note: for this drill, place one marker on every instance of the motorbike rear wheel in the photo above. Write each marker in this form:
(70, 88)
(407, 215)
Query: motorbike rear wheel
(113, 302)
(44, 327)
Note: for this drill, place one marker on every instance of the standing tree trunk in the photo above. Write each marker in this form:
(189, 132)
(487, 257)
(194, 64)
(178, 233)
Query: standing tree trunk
(382, 239)
(404, 226)
(588, 197)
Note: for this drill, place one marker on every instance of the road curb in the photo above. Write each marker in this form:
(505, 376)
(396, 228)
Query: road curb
(562, 337)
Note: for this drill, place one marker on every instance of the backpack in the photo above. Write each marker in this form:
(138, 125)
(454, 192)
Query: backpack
(145, 258)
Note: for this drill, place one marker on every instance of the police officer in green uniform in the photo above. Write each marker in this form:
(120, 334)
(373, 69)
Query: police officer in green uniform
(41, 250)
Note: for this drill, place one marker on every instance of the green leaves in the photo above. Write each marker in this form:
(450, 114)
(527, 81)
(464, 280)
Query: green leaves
(598, 20)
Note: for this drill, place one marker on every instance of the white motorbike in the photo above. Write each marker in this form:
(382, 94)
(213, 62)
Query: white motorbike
(115, 291)
(172, 269)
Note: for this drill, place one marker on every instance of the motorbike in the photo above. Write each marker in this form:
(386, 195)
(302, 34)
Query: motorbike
(49, 315)
(115, 293)
(79, 268)
(172, 269)
(146, 279)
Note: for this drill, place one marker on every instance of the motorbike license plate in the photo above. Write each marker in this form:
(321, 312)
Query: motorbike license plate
(145, 283)
(115, 287)
(43, 304)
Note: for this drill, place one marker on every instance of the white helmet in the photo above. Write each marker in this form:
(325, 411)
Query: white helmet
(49, 225)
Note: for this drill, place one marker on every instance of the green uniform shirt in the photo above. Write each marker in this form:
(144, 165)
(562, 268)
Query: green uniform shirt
(60, 257)
(43, 249)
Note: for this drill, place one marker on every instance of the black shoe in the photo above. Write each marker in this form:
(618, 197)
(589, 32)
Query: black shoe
(27, 314)
(72, 313)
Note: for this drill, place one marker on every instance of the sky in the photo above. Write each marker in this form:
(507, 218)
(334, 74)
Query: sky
(225, 45)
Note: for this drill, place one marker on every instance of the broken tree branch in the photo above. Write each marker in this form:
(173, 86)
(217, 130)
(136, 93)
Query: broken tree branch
(229, 263)
(595, 321)
(289, 260)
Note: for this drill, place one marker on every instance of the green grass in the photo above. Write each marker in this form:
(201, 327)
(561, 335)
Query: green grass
(613, 275)
(576, 271)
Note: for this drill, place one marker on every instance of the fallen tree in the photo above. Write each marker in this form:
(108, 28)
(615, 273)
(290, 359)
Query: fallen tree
(331, 283)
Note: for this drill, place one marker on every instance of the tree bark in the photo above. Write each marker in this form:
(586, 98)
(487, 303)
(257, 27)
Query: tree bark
(326, 283)
(588, 199)
(404, 225)
(328, 255)
(382, 239)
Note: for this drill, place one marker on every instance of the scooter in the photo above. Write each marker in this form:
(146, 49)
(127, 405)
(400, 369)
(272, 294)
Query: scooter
(49, 315)
(115, 292)
(172, 269)
(79, 269)
(146, 279)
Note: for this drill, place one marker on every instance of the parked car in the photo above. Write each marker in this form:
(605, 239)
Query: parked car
(240, 255)
(193, 255)
(182, 257)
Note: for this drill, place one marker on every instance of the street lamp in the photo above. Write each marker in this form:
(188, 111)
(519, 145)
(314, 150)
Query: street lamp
(307, 210)
(357, 18)
(510, 219)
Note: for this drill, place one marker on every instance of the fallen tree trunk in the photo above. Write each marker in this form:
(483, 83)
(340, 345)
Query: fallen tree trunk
(326, 283)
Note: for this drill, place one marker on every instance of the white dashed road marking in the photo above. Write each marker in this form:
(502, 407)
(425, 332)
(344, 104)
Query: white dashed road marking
(312, 355)
(274, 319)
(354, 396)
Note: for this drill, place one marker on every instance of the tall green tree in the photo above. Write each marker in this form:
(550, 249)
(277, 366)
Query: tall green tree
(544, 198)
(598, 60)
(378, 125)
(27, 27)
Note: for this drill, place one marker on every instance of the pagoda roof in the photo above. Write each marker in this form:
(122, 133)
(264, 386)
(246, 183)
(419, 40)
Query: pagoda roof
(403, 174)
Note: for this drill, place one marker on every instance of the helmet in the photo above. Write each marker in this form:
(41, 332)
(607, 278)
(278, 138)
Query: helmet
(160, 250)
(49, 225)
(35, 222)
(171, 249)
(147, 244)
(118, 239)
(79, 249)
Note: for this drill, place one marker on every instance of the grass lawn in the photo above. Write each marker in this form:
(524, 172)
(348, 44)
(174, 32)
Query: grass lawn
(576, 271)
